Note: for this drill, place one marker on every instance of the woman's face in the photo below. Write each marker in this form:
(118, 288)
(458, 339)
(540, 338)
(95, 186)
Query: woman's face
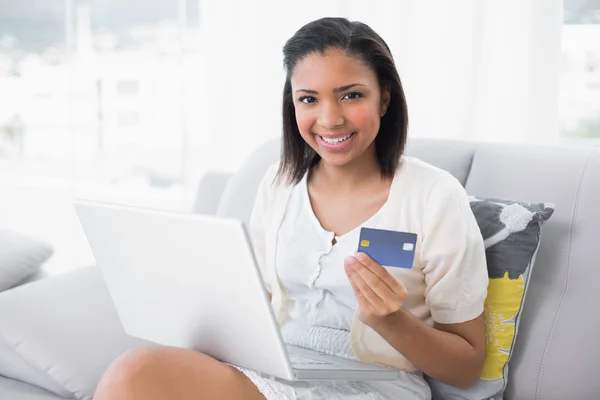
(338, 105)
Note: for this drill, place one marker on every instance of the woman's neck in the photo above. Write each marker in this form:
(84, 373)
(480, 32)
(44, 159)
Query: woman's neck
(349, 177)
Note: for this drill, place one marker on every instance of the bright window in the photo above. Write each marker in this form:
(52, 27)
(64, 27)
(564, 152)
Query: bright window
(580, 80)
(95, 93)
(97, 100)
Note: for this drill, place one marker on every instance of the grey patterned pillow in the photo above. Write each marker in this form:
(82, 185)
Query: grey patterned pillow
(20, 257)
(511, 231)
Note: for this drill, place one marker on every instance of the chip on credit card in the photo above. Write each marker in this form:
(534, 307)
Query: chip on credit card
(388, 248)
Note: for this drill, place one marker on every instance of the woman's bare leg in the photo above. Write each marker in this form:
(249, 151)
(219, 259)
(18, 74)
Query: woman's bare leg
(152, 373)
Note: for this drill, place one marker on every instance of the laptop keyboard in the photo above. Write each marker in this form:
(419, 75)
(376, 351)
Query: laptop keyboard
(303, 360)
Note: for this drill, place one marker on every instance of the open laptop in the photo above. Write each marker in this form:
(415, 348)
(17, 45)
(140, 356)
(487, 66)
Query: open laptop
(192, 281)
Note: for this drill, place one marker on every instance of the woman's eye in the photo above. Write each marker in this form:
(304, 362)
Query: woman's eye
(307, 99)
(352, 96)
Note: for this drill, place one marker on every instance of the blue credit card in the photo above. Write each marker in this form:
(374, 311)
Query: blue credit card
(388, 248)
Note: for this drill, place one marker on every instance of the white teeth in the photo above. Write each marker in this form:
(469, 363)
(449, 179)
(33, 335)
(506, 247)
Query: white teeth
(338, 140)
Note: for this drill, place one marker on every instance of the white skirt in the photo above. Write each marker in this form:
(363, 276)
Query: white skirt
(408, 386)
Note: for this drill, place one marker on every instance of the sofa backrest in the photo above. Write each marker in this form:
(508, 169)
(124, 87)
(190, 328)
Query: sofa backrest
(556, 350)
(557, 347)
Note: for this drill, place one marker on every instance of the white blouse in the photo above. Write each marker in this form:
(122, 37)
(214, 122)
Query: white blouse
(304, 272)
(311, 271)
(311, 268)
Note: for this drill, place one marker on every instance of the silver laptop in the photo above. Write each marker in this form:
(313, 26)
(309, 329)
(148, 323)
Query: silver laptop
(191, 281)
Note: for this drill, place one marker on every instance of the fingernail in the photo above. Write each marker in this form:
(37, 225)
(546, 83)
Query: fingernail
(350, 260)
(360, 256)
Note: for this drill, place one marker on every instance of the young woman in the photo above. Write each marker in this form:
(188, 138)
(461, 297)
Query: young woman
(342, 168)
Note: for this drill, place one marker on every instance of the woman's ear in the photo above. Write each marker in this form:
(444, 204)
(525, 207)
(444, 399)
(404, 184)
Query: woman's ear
(385, 100)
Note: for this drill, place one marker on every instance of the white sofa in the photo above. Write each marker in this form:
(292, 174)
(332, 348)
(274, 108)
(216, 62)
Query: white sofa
(58, 335)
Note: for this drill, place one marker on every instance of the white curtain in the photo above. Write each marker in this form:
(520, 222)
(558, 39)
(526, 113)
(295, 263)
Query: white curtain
(485, 70)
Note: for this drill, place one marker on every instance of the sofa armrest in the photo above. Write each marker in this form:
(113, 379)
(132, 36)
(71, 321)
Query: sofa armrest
(61, 333)
(208, 194)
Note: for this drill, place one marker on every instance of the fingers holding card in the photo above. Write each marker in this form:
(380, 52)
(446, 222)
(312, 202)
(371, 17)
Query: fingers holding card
(378, 293)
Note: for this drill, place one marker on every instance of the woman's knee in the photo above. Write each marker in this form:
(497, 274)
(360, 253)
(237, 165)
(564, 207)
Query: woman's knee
(160, 372)
(131, 372)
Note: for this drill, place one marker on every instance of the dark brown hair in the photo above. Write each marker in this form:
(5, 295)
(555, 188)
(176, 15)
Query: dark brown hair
(359, 40)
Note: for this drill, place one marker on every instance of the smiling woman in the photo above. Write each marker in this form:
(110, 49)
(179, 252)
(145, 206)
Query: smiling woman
(342, 168)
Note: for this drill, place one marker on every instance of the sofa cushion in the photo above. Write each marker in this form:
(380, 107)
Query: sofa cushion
(65, 327)
(11, 389)
(21, 256)
(511, 232)
(15, 365)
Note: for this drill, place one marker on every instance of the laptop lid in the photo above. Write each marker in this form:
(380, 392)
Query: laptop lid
(186, 280)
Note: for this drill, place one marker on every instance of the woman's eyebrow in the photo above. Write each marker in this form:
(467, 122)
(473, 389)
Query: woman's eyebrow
(336, 90)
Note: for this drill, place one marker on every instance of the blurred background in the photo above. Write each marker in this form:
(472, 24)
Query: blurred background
(133, 101)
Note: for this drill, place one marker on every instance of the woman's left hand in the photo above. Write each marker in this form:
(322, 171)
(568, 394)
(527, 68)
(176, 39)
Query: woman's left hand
(378, 293)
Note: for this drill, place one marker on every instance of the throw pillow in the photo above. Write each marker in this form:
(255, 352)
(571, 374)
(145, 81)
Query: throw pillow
(511, 231)
(20, 257)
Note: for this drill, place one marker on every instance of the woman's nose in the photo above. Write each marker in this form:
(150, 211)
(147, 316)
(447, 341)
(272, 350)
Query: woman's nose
(331, 116)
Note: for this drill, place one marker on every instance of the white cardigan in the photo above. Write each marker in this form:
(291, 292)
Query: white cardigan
(448, 281)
